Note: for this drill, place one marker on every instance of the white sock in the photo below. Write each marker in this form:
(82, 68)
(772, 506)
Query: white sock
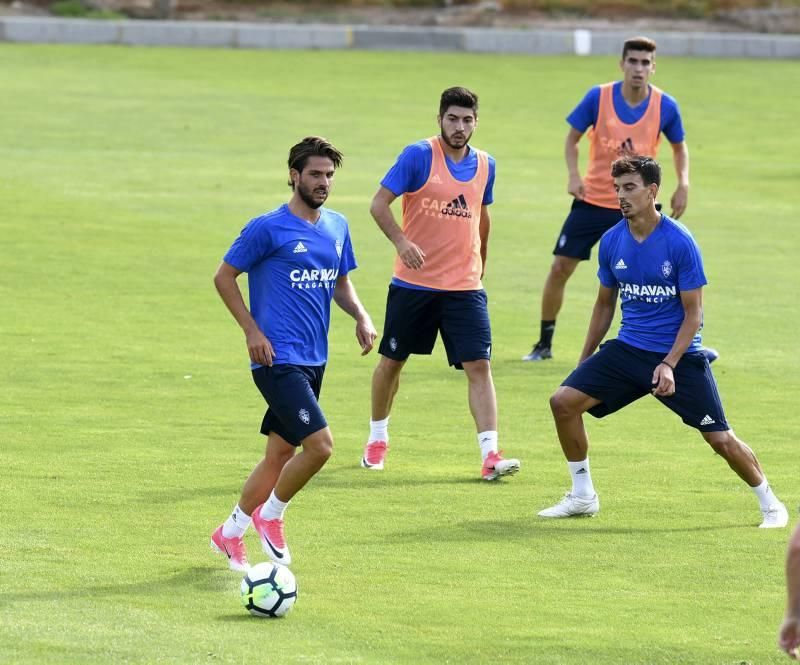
(764, 493)
(488, 442)
(236, 524)
(274, 508)
(379, 430)
(581, 479)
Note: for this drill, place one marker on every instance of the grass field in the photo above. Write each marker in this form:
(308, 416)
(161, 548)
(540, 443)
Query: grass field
(128, 419)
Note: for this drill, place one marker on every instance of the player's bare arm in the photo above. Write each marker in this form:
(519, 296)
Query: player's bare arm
(663, 376)
(410, 254)
(602, 316)
(680, 199)
(346, 297)
(789, 635)
(575, 182)
(483, 231)
(259, 347)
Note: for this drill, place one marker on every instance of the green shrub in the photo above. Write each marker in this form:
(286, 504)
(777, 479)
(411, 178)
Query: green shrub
(77, 9)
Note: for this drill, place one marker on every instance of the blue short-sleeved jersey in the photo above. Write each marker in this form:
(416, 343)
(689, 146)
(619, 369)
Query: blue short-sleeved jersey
(584, 115)
(650, 277)
(413, 166)
(292, 267)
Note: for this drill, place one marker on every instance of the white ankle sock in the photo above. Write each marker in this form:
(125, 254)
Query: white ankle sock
(488, 442)
(274, 508)
(764, 493)
(379, 430)
(581, 479)
(236, 524)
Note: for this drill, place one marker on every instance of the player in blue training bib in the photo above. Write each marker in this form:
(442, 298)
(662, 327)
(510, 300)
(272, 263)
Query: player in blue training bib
(652, 263)
(297, 259)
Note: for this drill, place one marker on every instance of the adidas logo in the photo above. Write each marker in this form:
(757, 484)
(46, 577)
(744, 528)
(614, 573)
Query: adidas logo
(707, 420)
(621, 265)
(435, 179)
(626, 147)
(457, 207)
(580, 471)
(299, 248)
(459, 202)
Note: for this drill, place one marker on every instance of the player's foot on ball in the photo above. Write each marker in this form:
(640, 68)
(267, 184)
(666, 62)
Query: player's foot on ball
(272, 539)
(572, 505)
(495, 466)
(374, 454)
(233, 548)
(710, 354)
(775, 517)
(539, 352)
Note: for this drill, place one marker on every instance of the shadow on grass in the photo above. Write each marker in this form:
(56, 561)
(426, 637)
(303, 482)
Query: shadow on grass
(530, 529)
(174, 495)
(350, 477)
(197, 578)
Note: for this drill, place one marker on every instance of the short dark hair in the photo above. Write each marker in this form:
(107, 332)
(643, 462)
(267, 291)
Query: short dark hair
(647, 167)
(638, 44)
(312, 146)
(458, 96)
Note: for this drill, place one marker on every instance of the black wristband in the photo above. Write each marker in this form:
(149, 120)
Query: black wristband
(664, 362)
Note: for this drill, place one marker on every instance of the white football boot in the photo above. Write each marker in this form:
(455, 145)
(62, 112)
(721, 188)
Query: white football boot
(572, 505)
(775, 517)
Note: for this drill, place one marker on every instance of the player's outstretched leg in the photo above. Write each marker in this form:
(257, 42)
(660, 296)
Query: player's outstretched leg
(741, 458)
(568, 406)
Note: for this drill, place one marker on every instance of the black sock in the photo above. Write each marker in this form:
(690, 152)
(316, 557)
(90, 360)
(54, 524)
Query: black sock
(546, 333)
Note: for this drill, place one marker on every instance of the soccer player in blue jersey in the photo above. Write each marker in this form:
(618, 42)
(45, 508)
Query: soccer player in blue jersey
(653, 264)
(619, 118)
(298, 258)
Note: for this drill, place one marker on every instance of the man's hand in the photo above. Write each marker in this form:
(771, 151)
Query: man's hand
(679, 201)
(789, 637)
(410, 254)
(259, 347)
(663, 381)
(365, 334)
(575, 187)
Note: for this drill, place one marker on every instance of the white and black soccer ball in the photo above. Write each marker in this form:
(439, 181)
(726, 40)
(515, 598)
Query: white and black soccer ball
(269, 590)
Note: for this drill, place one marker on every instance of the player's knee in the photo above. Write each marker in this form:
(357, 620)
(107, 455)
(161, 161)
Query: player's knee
(562, 270)
(388, 369)
(319, 447)
(561, 405)
(478, 370)
(722, 443)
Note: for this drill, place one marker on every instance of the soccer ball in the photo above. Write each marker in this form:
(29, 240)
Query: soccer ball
(269, 590)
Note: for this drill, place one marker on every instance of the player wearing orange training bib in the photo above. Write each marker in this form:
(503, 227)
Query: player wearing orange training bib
(446, 188)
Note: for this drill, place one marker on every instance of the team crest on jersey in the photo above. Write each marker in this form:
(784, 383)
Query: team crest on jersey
(304, 416)
(666, 268)
(338, 248)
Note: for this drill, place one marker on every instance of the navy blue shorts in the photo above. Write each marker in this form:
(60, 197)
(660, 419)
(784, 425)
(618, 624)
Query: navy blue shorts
(582, 229)
(414, 317)
(619, 374)
(292, 394)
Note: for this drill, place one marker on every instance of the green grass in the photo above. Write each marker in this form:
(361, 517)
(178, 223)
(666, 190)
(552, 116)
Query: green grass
(129, 420)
